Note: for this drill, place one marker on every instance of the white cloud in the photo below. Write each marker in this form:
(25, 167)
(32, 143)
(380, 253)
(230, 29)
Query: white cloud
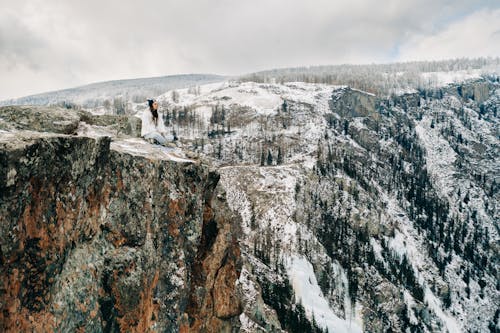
(52, 44)
(477, 35)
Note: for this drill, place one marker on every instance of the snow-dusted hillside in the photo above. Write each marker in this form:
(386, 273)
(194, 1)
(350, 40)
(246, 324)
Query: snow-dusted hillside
(358, 213)
(114, 96)
(387, 79)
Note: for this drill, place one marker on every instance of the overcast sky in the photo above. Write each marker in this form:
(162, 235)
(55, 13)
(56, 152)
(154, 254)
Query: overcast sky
(53, 44)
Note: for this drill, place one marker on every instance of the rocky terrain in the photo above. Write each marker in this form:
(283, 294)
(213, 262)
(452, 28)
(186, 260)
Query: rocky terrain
(104, 236)
(285, 207)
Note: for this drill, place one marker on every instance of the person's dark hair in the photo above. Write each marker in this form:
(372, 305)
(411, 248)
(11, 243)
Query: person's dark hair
(153, 111)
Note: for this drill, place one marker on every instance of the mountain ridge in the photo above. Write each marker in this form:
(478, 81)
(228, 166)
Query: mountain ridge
(98, 92)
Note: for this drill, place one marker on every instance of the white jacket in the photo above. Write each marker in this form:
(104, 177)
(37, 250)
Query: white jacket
(148, 125)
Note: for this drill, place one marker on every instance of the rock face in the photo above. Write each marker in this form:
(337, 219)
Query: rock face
(214, 299)
(354, 103)
(101, 240)
(478, 91)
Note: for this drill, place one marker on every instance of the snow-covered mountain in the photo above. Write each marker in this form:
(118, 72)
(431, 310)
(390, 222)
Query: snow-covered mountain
(282, 207)
(359, 213)
(114, 95)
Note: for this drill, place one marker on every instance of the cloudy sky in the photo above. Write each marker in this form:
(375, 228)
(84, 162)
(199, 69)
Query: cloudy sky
(53, 44)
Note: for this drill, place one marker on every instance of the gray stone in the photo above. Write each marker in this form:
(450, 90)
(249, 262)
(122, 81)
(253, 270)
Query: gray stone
(39, 118)
(121, 125)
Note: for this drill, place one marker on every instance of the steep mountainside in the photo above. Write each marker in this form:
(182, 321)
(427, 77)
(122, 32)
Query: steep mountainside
(358, 213)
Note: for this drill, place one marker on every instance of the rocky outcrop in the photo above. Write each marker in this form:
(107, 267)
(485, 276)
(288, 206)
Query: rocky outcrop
(351, 103)
(478, 91)
(98, 239)
(36, 118)
(65, 121)
(121, 125)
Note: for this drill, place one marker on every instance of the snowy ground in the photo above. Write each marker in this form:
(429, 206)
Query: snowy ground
(140, 147)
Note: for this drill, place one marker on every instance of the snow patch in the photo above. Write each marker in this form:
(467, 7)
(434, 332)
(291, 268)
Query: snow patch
(307, 290)
(435, 304)
(143, 148)
(438, 79)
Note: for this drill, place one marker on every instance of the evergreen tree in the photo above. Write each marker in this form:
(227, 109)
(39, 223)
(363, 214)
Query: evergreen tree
(175, 96)
(279, 161)
(219, 150)
(346, 127)
(269, 157)
(284, 106)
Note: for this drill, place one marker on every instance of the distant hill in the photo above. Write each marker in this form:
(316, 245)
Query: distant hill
(386, 79)
(98, 94)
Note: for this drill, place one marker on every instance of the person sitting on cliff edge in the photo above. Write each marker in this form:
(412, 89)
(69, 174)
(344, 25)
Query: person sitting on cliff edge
(153, 129)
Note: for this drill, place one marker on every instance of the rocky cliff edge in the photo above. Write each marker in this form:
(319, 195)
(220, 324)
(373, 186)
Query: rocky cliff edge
(102, 232)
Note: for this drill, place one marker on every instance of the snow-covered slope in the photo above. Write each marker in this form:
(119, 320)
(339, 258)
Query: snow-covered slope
(114, 96)
(358, 213)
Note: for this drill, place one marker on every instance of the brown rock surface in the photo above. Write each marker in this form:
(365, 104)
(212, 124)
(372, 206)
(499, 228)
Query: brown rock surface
(214, 305)
(95, 239)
